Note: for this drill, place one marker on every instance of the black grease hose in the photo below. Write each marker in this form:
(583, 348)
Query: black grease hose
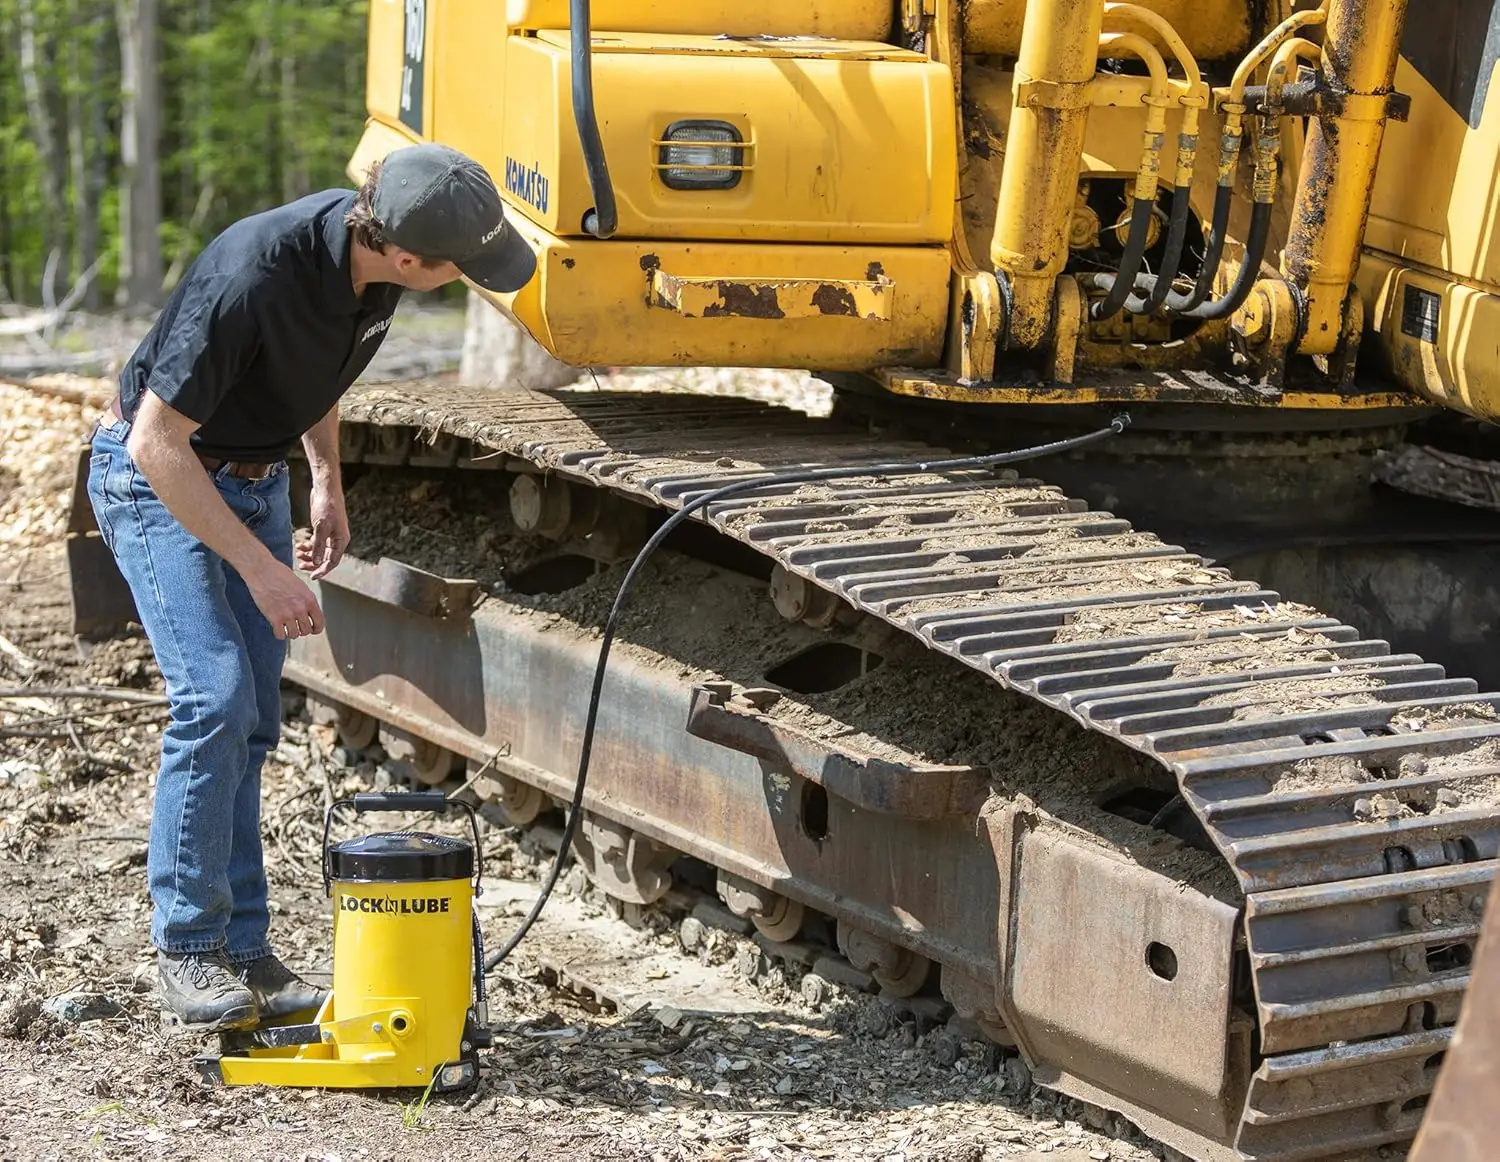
(739, 488)
(1156, 287)
(603, 219)
(1119, 285)
(1249, 272)
(1213, 255)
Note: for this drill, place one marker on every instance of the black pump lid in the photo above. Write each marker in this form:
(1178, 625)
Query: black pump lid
(401, 857)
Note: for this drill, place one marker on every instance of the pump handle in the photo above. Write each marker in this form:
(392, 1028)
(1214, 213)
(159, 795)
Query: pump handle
(401, 801)
(363, 801)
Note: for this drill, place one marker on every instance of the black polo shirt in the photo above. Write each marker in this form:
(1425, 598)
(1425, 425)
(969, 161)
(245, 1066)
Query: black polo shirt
(264, 333)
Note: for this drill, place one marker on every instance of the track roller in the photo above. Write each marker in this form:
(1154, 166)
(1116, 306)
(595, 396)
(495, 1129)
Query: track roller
(356, 729)
(775, 916)
(623, 864)
(898, 971)
(426, 762)
(798, 599)
(519, 802)
(975, 999)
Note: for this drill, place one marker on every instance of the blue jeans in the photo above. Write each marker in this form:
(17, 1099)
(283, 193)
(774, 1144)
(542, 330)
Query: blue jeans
(222, 665)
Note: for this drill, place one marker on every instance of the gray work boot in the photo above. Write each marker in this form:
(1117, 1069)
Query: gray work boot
(203, 991)
(279, 992)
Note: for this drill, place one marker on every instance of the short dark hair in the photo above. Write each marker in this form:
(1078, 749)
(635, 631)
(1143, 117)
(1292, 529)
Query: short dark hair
(369, 232)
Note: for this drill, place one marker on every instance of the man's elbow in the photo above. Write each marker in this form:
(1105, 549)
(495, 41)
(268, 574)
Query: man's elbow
(151, 445)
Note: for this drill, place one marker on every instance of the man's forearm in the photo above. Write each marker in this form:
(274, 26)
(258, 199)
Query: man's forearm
(179, 480)
(321, 443)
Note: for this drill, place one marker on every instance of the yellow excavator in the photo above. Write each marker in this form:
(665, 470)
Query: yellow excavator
(1136, 799)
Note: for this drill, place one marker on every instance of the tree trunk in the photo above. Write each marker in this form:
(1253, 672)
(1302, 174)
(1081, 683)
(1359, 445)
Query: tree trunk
(499, 353)
(140, 138)
(96, 150)
(9, 286)
(81, 97)
(34, 78)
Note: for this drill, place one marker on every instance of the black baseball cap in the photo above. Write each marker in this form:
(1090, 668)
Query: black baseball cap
(439, 204)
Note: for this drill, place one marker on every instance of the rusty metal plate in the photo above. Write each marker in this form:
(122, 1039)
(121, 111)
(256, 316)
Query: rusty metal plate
(1116, 971)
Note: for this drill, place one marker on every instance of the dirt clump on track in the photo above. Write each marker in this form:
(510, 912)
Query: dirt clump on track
(908, 705)
(85, 1069)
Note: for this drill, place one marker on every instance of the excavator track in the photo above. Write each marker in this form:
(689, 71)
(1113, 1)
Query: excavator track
(1355, 792)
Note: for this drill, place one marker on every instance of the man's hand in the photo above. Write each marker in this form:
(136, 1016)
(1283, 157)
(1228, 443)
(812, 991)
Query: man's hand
(330, 532)
(286, 601)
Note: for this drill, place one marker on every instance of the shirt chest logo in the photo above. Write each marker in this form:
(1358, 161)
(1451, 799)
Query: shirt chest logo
(376, 328)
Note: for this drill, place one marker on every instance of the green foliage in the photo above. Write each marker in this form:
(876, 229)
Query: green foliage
(262, 101)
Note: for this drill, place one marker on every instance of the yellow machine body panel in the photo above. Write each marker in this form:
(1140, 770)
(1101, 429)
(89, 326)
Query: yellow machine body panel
(817, 119)
(915, 137)
(1210, 28)
(847, 20)
(1431, 268)
(734, 304)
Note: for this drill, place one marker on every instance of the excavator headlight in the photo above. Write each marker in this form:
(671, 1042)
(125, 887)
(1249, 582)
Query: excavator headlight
(701, 155)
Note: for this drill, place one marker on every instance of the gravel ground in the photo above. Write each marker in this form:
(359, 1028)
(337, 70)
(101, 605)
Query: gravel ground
(86, 1070)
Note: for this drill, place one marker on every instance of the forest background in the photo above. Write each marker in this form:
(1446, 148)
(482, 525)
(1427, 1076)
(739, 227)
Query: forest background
(133, 131)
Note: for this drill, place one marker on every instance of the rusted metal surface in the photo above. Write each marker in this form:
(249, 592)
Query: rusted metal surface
(495, 688)
(1462, 1122)
(102, 604)
(1129, 980)
(1007, 577)
(697, 297)
(406, 587)
(916, 791)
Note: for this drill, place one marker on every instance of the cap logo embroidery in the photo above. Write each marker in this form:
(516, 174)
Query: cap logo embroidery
(499, 226)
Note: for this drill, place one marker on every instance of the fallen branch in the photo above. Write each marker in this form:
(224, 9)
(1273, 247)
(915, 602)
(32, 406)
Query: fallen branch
(95, 393)
(103, 693)
(28, 664)
(96, 760)
(123, 708)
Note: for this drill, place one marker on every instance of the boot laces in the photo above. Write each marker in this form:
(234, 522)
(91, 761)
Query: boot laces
(207, 972)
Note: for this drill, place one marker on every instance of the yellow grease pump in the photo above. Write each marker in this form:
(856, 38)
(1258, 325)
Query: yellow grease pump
(408, 1001)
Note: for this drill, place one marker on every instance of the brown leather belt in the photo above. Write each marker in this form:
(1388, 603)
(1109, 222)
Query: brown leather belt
(240, 469)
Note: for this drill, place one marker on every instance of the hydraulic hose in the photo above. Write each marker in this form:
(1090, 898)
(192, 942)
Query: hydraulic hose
(603, 219)
(702, 501)
(1119, 285)
(1213, 255)
(1244, 279)
(1159, 285)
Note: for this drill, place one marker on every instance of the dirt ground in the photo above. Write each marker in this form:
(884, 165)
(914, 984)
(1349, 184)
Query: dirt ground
(730, 1072)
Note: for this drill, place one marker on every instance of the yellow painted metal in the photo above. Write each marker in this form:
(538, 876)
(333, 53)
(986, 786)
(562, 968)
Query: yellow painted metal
(1230, 102)
(1156, 100)
(1194, 97)
(1360, 46)
(1460, 367)
(1266, 48)
(1059, 47)
(849, 142)
(378, 139)
(1446, 221)
(920, 385)
(1210, 29)
(595, 302)
(402, 967)
(383, 56)
(466, 69)
(845, 20)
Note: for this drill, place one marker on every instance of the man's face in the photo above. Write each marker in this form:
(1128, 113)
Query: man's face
(413, 274)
